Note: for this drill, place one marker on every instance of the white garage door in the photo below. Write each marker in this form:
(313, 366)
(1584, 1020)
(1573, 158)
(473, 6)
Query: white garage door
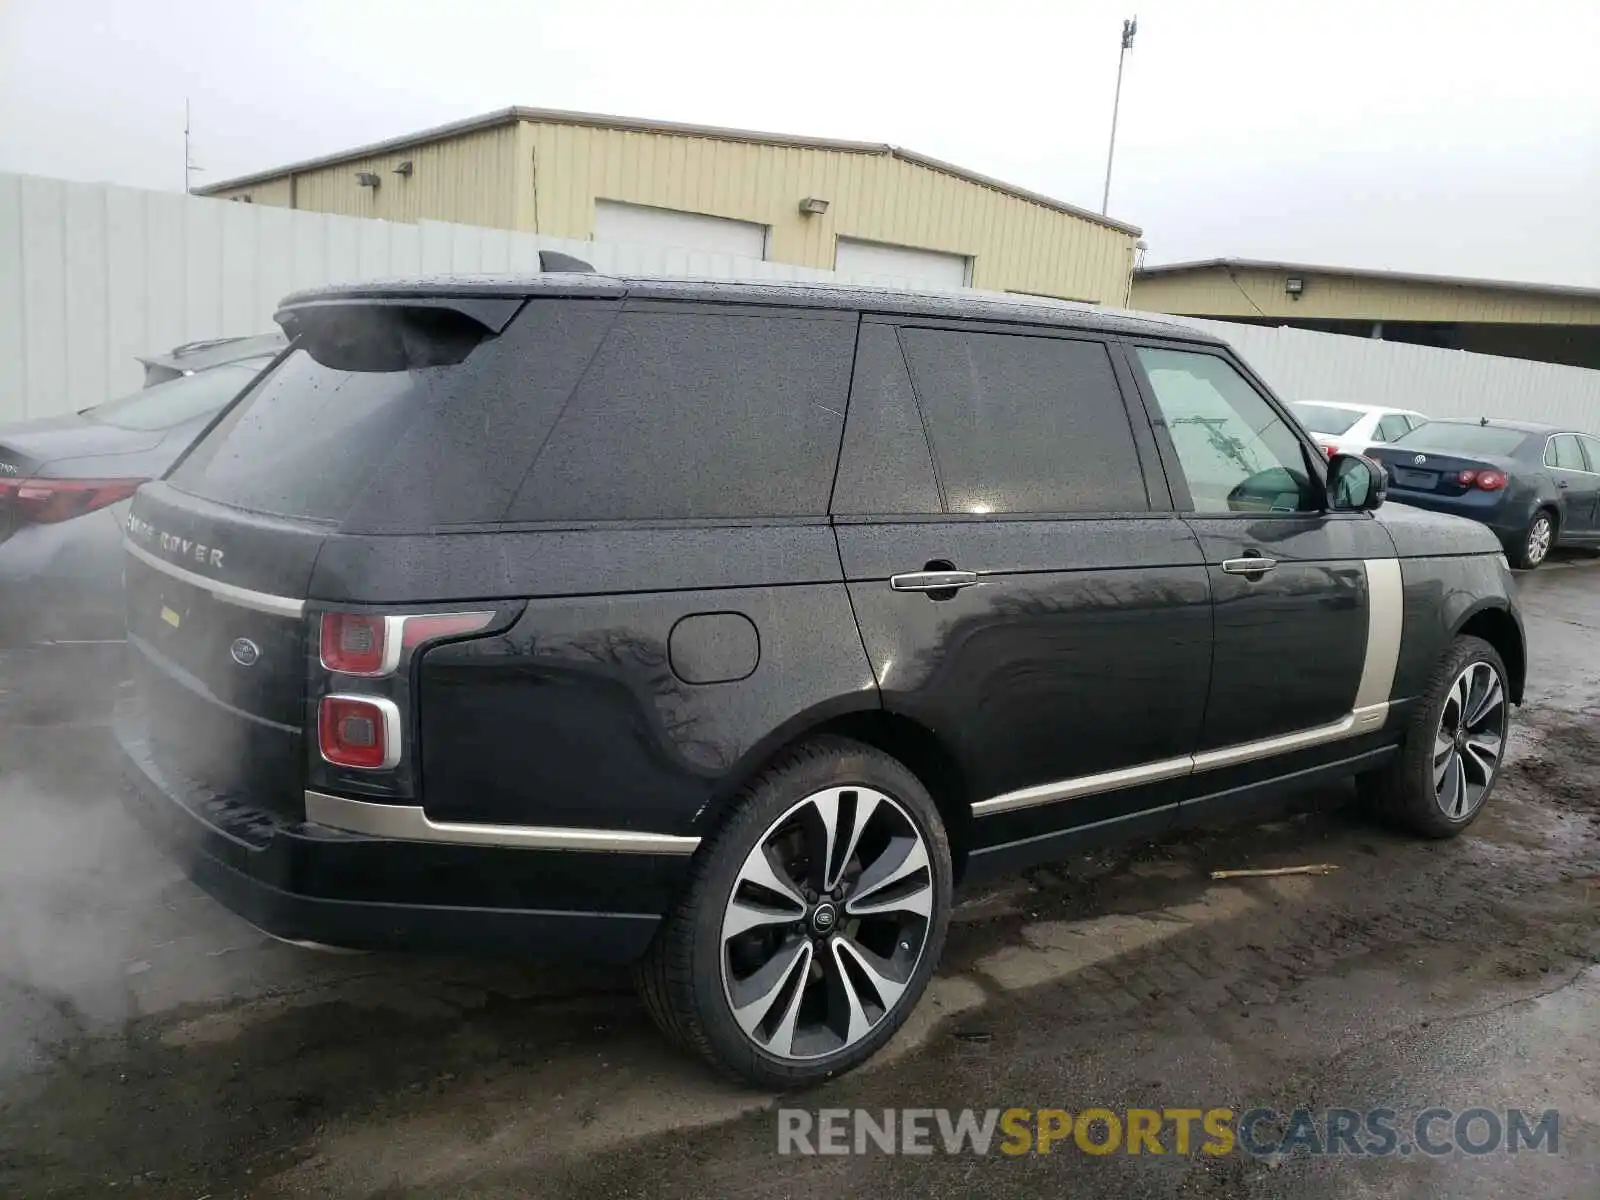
(640, 225)
(931, 267)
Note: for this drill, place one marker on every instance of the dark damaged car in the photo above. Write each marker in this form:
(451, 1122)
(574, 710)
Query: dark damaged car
(727, 628)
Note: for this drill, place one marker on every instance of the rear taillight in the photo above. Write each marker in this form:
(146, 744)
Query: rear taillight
(1489, 481)
(1330, 451)
(370, 646)
(48, 501)
(359, 731)
(354, 644)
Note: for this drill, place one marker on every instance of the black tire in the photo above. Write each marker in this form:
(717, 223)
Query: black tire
(1404, 790)
(1533, 550)
(681, 977)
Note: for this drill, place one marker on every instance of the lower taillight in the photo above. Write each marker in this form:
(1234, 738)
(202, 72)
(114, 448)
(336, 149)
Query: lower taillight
(359, 731)
(48, 501)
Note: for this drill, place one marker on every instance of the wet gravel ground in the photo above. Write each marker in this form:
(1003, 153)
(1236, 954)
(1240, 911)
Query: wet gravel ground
(153, 1045)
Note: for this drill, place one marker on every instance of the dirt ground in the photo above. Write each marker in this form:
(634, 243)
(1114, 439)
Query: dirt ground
(151, 1044)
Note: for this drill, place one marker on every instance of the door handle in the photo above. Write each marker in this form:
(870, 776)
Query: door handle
(1248, 566)
(1561, 483)
(932, 581)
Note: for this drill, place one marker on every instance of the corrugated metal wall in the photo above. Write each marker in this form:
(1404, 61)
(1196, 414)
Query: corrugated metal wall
(470, 179)
(1301, 365)
(91, 276)
(1260, 293)
(1015, 244)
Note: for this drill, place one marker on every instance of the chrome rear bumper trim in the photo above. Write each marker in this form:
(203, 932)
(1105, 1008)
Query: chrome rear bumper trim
(409, 823)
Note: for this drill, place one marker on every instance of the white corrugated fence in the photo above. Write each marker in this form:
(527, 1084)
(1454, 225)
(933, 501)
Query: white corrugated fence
(92, 275)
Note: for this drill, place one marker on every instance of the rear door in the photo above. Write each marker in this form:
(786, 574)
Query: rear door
(1591, 453)
(1306, 602)
(1578, 483)
(1020, 589)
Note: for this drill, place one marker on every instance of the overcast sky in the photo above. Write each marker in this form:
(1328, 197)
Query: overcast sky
(1460, 138)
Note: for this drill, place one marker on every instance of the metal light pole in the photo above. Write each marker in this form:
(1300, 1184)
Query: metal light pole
(189, 166)
(1129, 28)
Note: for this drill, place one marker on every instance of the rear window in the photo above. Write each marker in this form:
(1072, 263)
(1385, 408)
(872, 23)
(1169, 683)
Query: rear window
(1024, 424)
(1326, 418)
(1469, 439)
(165, 405)
(305, 441)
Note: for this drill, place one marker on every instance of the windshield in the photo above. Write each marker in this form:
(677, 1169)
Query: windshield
(1326, 418)
(1471, 439)
(165, 405)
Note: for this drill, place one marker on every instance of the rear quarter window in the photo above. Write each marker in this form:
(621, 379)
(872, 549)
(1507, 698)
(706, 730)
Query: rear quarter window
(689, 414)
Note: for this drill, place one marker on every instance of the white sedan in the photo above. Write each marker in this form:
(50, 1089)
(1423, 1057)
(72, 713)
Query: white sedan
(1351, 428)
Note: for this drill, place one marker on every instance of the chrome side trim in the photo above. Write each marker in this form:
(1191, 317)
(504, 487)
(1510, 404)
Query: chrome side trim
(1085, 785)
(280, 606)
(1351, 724)
(1386, 607)
(1362, 720)
(410, 823)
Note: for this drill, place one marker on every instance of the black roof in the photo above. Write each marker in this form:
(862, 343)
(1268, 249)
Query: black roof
(1032, 310)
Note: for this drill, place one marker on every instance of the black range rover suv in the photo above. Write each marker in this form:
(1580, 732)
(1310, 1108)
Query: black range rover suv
(727, 627)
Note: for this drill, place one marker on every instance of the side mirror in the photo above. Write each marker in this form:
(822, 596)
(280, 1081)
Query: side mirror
(1356, 483)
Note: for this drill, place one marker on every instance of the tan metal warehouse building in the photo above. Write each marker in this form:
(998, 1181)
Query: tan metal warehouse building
(1544, 322)
(858, 207)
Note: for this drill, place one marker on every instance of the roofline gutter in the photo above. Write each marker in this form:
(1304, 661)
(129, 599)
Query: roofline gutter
(1247, 264)
(551, 116)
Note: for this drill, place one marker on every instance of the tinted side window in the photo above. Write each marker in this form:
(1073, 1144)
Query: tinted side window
(1564, 452)
(1025, 424)
(885, 466)
(689, 415)
(1591, 451)
(1237, 453)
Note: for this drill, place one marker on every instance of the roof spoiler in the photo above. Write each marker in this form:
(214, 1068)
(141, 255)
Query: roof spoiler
(551, 260)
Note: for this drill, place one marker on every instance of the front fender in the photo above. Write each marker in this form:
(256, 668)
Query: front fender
(1442, 597)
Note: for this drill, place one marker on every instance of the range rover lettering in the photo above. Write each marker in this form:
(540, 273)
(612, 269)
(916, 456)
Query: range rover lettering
(727, 628)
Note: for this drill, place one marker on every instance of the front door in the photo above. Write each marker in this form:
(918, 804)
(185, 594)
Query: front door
(1018, 593)
(1307, 603)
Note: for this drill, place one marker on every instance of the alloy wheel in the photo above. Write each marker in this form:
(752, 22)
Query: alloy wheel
(1539, 538)
(826, 923)
(1470, 740)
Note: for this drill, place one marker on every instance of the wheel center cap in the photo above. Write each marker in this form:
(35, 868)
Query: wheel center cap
(823, 917)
